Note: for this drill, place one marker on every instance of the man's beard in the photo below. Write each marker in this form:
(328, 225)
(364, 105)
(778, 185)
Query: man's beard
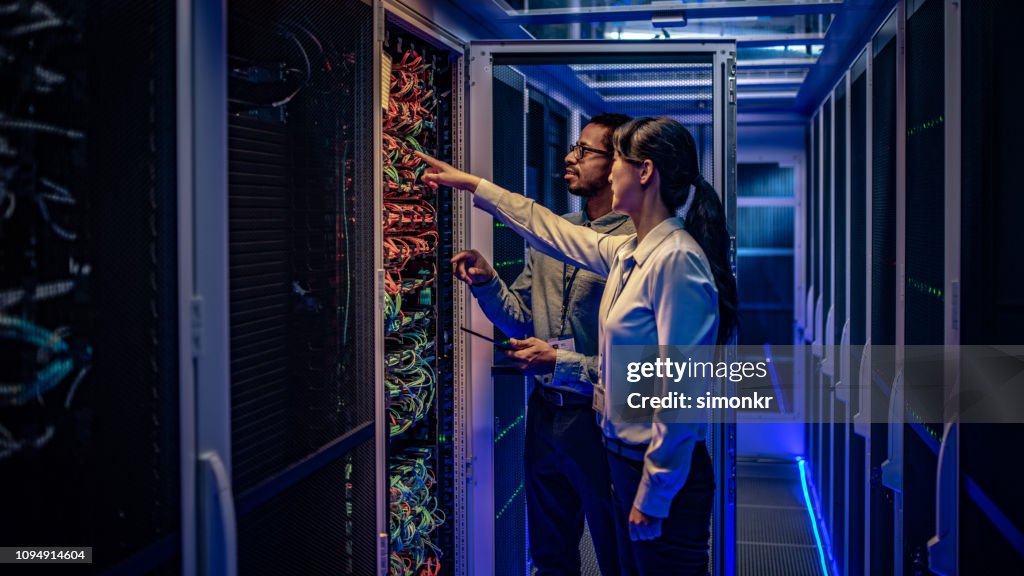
(578, 189)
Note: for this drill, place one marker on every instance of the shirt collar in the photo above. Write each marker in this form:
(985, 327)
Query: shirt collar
(655, 237)
(609, 220)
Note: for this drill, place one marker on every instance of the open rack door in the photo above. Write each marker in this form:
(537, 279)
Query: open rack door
(565, 83)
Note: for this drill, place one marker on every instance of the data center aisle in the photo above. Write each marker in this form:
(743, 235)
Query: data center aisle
(773, 530)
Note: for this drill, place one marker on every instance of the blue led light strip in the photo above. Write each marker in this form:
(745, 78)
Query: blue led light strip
(810, 513)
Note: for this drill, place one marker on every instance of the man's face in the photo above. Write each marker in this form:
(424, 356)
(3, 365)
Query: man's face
(588, 175)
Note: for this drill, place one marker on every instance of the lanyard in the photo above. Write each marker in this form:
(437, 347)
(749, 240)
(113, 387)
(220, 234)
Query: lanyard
(566, 292)
(567, 284)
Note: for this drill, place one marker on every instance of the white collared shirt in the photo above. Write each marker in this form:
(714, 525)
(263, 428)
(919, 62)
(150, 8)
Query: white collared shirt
(661, 291)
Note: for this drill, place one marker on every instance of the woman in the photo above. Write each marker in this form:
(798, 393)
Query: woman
(668, 284)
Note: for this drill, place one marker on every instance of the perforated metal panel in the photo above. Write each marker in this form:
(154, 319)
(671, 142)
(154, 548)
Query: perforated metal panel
(510, 389)
(765, 254)
(89, 411)
(992, 300)
(827, 218)
(813, 217)
(925, 267)
(840, 215)
(301, 251)
(319, 526)
(925, 220)
(883, 211)
(301, 270)
(774, 532)
(858, 311)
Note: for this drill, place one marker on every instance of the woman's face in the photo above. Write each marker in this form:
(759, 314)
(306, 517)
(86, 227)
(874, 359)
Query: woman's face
(625, 181)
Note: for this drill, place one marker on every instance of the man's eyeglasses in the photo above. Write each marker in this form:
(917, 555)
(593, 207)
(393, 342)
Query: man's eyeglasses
(578, 150)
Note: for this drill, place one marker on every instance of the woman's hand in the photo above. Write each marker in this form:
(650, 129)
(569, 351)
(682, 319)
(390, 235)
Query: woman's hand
(642, 526)
(442, 173)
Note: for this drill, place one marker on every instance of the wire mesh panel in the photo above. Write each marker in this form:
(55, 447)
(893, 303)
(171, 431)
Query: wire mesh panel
(883, 287)
(992, 308)
(300, 241)
(813, 206)
(511, 119)
(89, 434)
(319, 526)
(827, 218)
(840, 410)
(765, 255)
(883, 211)
(301, 276)
(858, 309)
(925, 270)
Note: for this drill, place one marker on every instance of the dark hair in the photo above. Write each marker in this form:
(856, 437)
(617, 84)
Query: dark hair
(611, 121)
(670, 146)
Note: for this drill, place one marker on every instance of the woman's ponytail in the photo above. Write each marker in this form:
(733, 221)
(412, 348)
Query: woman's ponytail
(705, 221)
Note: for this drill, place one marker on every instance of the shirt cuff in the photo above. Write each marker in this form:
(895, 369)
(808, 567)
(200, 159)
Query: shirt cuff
(652, 501)
(487, 196)
(486, 289)
(568, 368)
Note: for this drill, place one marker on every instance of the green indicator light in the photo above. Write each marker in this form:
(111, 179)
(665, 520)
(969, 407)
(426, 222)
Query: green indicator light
(509, 503)
(509, 428)
(508, 263)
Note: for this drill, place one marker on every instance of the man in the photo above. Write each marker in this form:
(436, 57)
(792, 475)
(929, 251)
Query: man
(554, 308)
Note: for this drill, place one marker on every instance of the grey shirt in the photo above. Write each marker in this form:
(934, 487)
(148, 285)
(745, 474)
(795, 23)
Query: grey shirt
(533, 306)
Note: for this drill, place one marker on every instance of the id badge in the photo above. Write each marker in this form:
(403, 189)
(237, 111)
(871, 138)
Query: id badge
(563, 343)
(598, 404)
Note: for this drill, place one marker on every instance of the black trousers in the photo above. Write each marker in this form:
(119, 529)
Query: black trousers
(683, 547)
(566, 479)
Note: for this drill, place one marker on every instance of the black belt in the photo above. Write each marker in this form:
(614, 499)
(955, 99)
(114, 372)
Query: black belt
(630, 451)
(559, 398)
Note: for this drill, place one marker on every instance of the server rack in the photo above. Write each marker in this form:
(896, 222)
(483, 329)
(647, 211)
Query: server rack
(855, 353)
(981, 525)
(515, 109)
(922, 272)
(300, 269)
(881, 320)
(422, 230)
(419, 296)
(854, 231)
(840, 413)
(91, 299)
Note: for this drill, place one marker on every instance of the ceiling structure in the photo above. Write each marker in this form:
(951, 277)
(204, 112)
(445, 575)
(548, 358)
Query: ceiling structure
(790, 53)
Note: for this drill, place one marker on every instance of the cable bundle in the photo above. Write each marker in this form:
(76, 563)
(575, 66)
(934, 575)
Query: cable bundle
(410, 379)
(42, 149)
(414, 515)
(411, 241)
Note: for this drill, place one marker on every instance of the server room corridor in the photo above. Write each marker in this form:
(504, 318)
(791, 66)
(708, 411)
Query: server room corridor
(245, 331)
